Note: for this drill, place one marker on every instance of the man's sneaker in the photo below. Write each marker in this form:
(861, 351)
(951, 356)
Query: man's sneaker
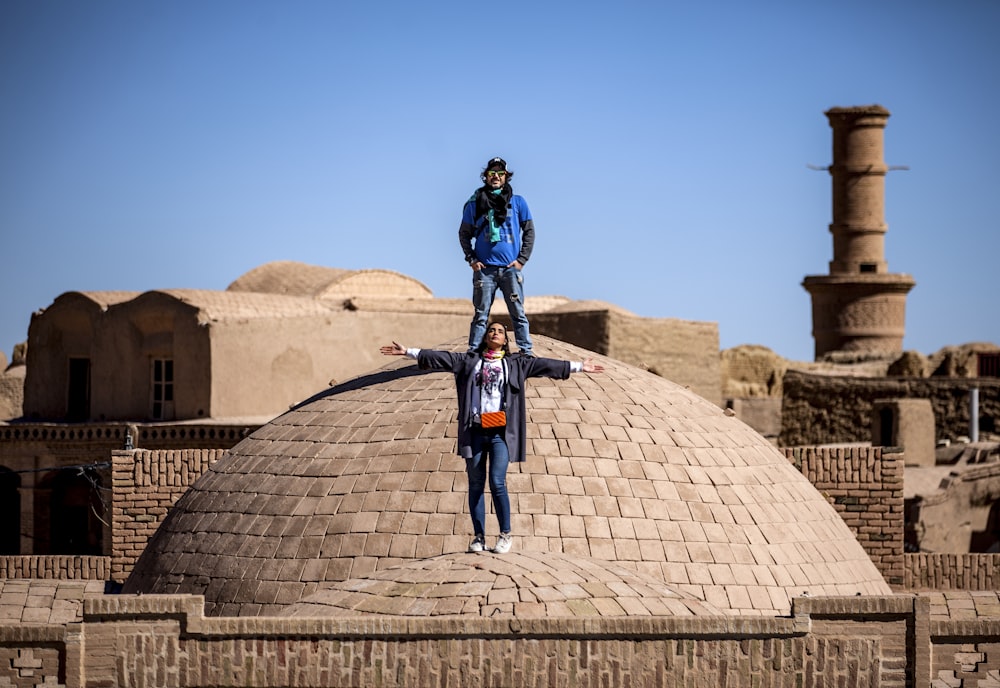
(503, 543)
(478, 544)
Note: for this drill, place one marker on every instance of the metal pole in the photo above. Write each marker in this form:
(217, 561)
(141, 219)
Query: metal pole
(974, 414)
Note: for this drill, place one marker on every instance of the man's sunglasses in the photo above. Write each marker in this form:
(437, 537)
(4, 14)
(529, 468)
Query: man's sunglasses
(496, 173)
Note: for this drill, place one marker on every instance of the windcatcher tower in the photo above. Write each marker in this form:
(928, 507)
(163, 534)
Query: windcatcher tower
(859, 306)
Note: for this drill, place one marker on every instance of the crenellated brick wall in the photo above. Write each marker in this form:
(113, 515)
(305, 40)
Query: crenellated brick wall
(949, 571)
(55, 567)
(146, 484)
(865, 486)
(156, 640)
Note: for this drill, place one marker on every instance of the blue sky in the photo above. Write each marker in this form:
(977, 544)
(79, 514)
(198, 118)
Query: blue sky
(663, 148)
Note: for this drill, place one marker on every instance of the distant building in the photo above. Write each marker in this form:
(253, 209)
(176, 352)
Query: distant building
(859, 306)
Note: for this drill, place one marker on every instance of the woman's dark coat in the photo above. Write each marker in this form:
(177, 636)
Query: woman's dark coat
(519, 368)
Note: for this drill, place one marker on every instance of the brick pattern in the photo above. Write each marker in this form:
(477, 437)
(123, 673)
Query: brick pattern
(146, 485)
(945, 639)
(97, 438)
(30, 667)
(166, 641)
(963, 605)
(865, 486)
(624, 467)
(55, 566)
(529, 585)
(44, 601)
(952, 571)
(966, 665)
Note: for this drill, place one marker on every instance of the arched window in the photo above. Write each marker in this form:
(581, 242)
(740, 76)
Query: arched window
(10, 512)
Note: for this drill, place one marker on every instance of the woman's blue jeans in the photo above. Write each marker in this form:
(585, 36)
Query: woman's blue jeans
(489, 448)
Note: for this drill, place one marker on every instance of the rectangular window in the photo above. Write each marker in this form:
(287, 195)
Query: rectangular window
(162, 386)
(868, 267)
(989, 364)
(78, 396)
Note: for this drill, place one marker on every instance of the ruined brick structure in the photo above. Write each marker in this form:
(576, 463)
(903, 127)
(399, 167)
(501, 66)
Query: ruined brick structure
(859, 305)
(826, 409)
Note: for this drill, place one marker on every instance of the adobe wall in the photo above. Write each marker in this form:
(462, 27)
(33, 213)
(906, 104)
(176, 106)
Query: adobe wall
(683, 351)
(962, 515)
(819, 409)
(865, 486)
(11, 393)
(264, 366)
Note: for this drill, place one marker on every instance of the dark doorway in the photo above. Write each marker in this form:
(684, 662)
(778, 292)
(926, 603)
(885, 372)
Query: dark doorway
(887, 432)
(10, 512)
(76, 511)
(78, 401)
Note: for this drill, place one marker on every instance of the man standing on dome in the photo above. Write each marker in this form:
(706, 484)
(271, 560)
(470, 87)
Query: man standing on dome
(497, 235)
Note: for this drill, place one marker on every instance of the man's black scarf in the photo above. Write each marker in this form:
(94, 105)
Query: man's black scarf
(486, 201)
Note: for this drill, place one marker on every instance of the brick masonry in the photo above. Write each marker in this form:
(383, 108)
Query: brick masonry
(933, 639)
(865, 486)
(61, 567)
(949, 571)
(146, 485)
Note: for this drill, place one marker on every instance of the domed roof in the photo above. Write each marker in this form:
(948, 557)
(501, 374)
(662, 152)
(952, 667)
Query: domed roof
(300, 279)
(528, 584)
(623, 467)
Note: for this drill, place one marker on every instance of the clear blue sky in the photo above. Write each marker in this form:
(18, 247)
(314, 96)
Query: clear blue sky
(663, 148)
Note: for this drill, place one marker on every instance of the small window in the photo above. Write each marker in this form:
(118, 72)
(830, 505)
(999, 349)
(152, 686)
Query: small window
(868, 267)
(162, 387)
(78, 396)
(989, 364)
(887, 431)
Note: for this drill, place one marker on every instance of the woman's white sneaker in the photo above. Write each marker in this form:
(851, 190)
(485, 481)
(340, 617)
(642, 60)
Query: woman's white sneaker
(503, 543)
(478, 544)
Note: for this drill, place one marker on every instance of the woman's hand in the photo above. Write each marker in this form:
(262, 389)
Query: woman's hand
(394, 350)
(590, 367)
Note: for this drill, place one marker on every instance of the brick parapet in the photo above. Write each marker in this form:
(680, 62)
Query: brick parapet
(865, 486)
(146, 484)
(951, 571)
(55, 567)
(166, 640)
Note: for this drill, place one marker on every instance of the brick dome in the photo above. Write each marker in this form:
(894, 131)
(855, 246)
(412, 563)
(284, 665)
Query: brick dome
(624, 468)
(518, 584)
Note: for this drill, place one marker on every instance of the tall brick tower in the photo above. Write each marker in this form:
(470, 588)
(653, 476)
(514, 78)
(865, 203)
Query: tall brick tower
(859, 306)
